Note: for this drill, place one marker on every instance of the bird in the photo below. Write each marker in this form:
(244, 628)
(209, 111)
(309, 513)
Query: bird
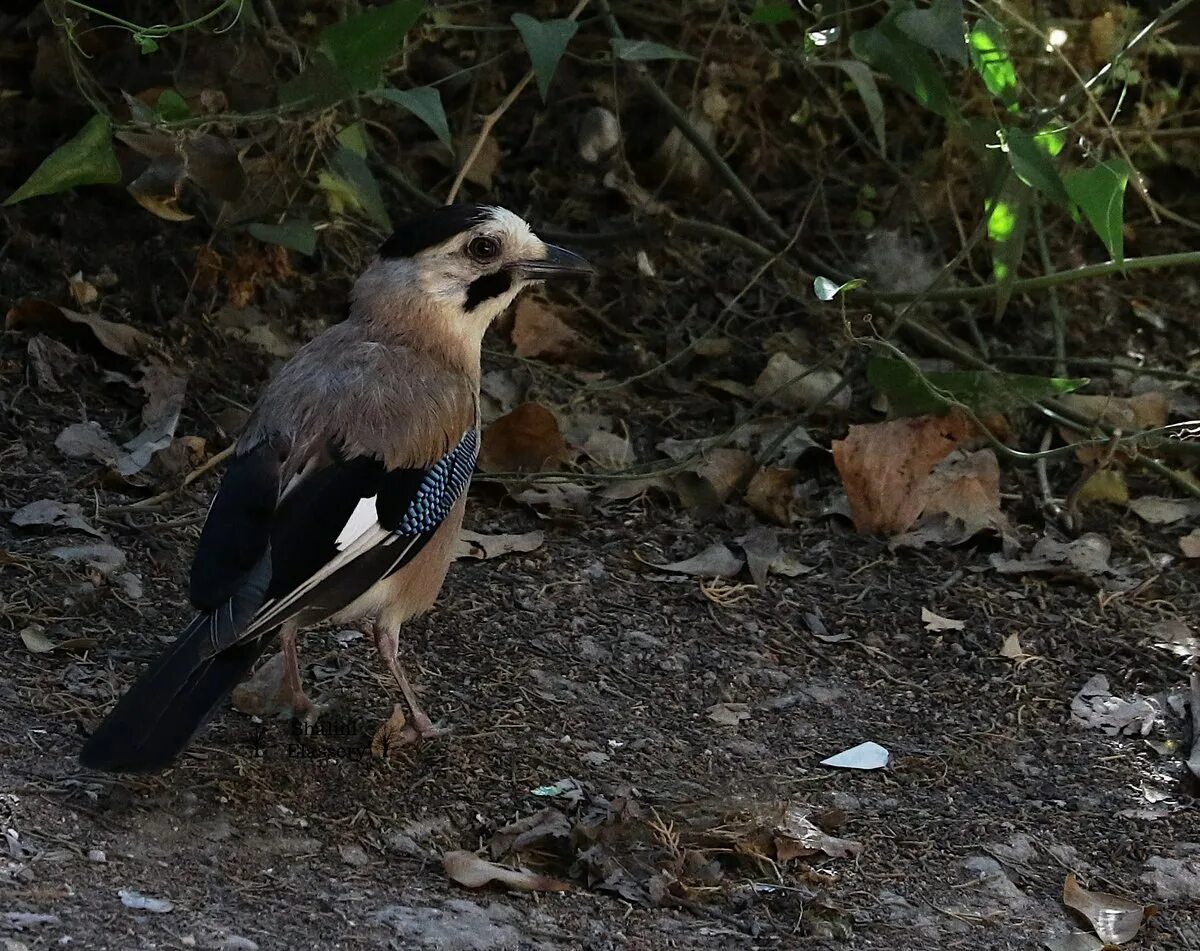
(345, 492)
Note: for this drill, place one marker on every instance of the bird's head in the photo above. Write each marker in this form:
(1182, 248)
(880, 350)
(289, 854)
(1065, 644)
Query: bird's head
(459, 267)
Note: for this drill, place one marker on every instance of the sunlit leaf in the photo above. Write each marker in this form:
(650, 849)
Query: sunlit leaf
(771, 14)
(868, 91)
(353, 171)
(87, 159)
(360, 46)
(1007, 225)
(989, 54)
(827, 290)
(171, 106)
(645, 50)
(294, 233)
(1031, 157)
(1100, 192)
(354, 138)
(910, 393)
(425, 103)
(546, 41)
(885, 48)
(939, 28)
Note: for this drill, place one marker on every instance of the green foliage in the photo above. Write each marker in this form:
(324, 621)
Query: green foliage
(641, 51)
(939, 28)
(425, 103)
(773, 13)
(911, 393)
(888, 49)
(87, 159)
(1007, 223)
(296, 234)
(868, 91)
(360, 46)
(989, 55)
(546, 41)
(1032, 158)
(352, 171)
(1100, 193)
(827, 290)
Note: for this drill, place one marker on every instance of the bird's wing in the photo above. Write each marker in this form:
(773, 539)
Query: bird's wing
(342, 524)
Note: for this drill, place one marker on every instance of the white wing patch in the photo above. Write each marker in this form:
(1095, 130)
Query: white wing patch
(363, 517)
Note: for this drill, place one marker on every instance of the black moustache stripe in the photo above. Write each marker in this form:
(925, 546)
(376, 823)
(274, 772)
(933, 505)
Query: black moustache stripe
(486, 287)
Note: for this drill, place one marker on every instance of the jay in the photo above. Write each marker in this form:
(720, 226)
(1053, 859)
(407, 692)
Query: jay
(345, 494)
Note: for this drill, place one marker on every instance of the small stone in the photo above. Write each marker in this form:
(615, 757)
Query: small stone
(97, 855)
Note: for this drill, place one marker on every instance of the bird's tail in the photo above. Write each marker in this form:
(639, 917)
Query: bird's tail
(172, 699)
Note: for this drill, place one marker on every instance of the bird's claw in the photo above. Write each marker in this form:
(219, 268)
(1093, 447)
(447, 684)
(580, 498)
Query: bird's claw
(398, 731)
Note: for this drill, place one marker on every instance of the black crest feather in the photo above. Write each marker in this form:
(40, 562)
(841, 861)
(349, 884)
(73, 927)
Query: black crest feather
(427, 230)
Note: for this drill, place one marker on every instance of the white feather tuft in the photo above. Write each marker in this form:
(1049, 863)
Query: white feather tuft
(362, 518)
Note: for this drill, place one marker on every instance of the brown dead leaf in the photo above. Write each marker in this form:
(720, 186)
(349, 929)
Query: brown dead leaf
(82, 292)
(52, 513)
(550, 826)
(705, 488)
(797, 835)
(885, 467)
(540, 334)
(526, 440)
(50, 361)
(961, 498)
(559, 496)
(1158, 511)
(1115, 920)
(483, 547)
(772, 494)
(1128, 414)
(610, 451)
(795, 386)
(935, 622)
(728, 714)
(34, 314)
(716, 561)
(472, 871)
(486, 162)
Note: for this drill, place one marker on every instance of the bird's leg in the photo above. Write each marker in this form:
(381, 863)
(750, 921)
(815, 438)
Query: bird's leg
(398, 730)
(291, 687)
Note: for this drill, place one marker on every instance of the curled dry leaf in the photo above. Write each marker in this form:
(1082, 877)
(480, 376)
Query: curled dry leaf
(772, 494)
(1164, 511)
(1115, 920)
(1096, 707)
(483, 547)
(472, 871)
(798, 836)
(795, 386)
(763, 551)
(885, 467)
(716, 561)
(610, 451)
(1086, 556)
(1129, 414)
(34, 314)
(1190, 544)
(526, 440)
(50, 361)
(705, 488)
(539, 333)
(960, 499)
(559, 496)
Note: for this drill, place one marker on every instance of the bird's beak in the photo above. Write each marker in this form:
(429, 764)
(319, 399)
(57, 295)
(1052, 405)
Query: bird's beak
(558, 262)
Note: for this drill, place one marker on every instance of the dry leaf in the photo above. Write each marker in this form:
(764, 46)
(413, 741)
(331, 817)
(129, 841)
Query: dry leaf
(50, 361)
(469, 869)
(1164, 511)
(103, 557)
(1086, 555)
(539, 333)
(1105, 485)
(728, 714)
(795, 386)
(526, 440)
(885, 466)
(1012, 649)
(705, 488)
(34, 314)
(935, 622)
(1115, 920)
(609, 451)
(960, 499)
(82, 292)
(797, 836)
(35, 640)
(559, 496)
(51, 512)
(1190, 544)
(772, 494)
(762, 551)
(716, 561)
(165, 391)
(484, 167)
(474, 545)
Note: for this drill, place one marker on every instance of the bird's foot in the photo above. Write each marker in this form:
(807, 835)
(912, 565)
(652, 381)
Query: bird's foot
(270, 693)
(398, 731)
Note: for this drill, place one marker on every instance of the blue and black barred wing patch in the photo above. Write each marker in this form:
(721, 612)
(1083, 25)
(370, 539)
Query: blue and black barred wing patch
(353, 523)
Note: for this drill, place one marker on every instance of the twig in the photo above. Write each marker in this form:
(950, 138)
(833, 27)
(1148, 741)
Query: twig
(211, 463)
(493, 117)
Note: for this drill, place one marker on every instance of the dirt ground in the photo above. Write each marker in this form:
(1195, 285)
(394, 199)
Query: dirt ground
(578, 661)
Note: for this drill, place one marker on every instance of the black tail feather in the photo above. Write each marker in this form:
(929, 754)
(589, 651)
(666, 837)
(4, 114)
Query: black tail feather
(172, 699)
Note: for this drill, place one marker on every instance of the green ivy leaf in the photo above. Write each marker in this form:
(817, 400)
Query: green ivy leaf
(910, 393)
(1032, 158)
(425, 103)
(546, 41)
(939, 28)
(354, 138)
(352, 171)
(171, 106)
(87, 159)
(885, 48)
(1100, 193)
(772, 14)
(146, 43)
(868, 91)
(296, 234)
(360, 46)
(641, 51)
(319, 86)
(989, 54)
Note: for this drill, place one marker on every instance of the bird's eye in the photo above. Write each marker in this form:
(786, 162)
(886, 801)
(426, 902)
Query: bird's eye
(483, 249)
